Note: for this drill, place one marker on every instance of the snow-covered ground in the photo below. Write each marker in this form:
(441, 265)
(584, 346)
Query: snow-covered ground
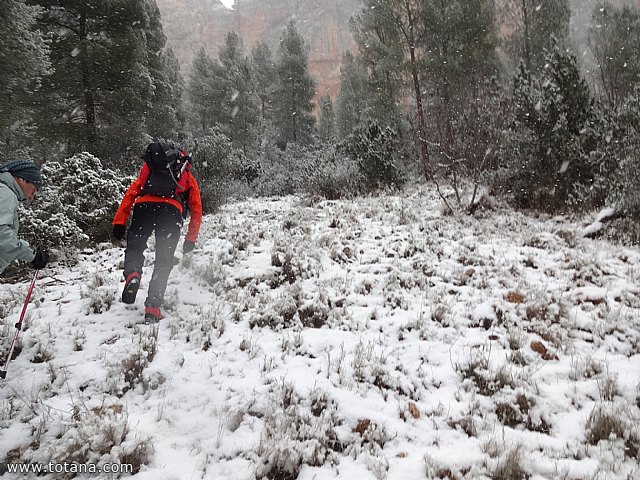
(363, 339)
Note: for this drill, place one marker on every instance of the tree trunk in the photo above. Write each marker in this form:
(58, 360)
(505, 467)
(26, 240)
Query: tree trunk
(410, 36)
(527, 44)
(422, 128)
(89, 100)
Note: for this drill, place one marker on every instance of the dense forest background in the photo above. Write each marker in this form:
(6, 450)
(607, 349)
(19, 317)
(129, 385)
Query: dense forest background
(479, 99)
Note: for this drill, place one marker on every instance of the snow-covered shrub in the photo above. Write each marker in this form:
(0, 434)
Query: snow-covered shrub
(9, 299)
(588, 367)
(616, 426)
(624, 127)
(467, 419)
(314, 314)
(99, 294)
(76, 204)
(368, 437)
(282, 172)
(297, 431)
(332, 175)
(477, 374)
(375, 149)
(369, 365)
(282, 313)
(517, 408)
(126, 374)
(294, 261)
(212, 272)
(508, 465)
(97, 436)
(625, 195)
(317, 170)
(547, 316)
(49, 227)
(203, 328)
(216, 165)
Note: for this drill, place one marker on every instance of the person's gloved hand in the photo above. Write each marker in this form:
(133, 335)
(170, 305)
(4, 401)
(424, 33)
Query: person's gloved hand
(41, 259)
(119, 231)
(188, 246)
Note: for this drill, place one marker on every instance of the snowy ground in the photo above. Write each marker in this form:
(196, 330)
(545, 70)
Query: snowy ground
(364, 339)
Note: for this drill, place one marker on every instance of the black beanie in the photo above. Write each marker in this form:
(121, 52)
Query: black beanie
(24, 169)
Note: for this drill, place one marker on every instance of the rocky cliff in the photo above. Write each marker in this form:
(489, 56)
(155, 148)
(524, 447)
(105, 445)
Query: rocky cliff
(324, 25)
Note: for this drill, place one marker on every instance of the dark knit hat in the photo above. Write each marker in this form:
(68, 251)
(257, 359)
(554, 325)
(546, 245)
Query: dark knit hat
(24, 169)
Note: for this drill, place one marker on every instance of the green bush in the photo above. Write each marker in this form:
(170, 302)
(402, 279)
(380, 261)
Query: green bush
(375, 149)
(76, 204)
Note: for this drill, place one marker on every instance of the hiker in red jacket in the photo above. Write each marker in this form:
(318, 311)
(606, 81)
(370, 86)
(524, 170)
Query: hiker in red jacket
(159, 197)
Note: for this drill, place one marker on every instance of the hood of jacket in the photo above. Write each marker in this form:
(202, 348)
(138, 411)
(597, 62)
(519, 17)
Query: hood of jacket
(10, 182)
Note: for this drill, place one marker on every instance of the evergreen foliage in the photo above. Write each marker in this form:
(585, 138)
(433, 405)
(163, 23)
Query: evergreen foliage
(167, 116)
(320, 169)
(24, 59)
(201, 94)
(479, 131)
(294, 91)
(548, 154)
(105, 72)
(211, 167)
(327, 122)
(532, 24)
(282, 172)
(380, 48)
(375, 149)
(76, 204)
(96, 76)
(333, 175)
(614, 40)
(461, 37)
(622, 181)
(240, 103)
(351, 104)
(264, 74)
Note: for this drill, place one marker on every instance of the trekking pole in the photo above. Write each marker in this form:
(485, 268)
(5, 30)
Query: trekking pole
(3, 373)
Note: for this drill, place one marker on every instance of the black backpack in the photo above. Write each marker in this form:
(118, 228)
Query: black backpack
(166, 163)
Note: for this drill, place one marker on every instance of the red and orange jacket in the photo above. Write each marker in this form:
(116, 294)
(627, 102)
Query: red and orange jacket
(134, 196)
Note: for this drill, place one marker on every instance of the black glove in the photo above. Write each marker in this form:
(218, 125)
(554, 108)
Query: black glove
(119, 231)
(41, 259)
(188, 246)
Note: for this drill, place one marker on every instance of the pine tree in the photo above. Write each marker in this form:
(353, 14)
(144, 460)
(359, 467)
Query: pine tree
(200, 91)
(98, 96)
(166, 116)
(327, 123)
(351, 104)
(548, 152)
(264, 73)
(241, 101)
(294, 90)
(461, 38)
(532, 24)
(614, 40)
(623, 181)
(24, 59)
(147, 102)
(380, 45)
